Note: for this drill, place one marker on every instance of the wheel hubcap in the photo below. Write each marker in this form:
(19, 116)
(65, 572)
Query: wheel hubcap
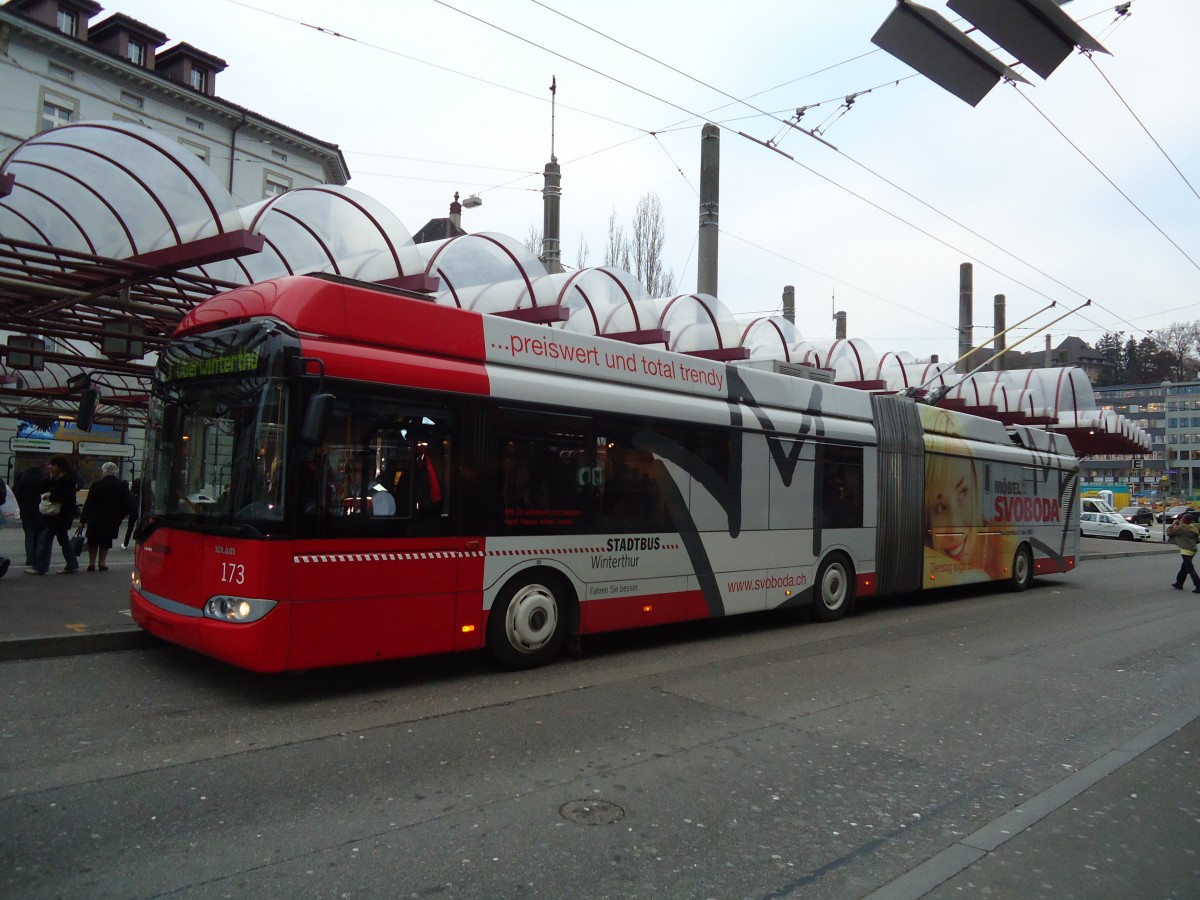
(833, 587)
(532, 618)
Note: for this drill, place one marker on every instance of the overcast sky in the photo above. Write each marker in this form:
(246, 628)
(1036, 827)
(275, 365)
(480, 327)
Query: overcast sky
(427, 97)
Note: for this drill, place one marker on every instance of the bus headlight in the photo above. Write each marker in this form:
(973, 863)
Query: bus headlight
(237, 609)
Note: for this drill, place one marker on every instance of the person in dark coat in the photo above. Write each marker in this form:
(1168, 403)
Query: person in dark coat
(108, 502)
(60, 489)
(28, 489)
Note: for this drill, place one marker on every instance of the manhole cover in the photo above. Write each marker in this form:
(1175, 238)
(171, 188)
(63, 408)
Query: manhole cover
(591, 812)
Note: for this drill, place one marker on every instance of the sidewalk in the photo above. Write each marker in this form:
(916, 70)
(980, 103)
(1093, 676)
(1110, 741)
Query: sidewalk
(88, 612)
(62, 615)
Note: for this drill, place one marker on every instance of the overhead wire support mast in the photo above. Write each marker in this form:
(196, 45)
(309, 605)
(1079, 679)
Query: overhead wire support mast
(935, 397)
(922, 386)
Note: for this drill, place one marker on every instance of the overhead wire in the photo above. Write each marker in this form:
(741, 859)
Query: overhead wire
(1105, 176)
(1166, 156)
(691, 114)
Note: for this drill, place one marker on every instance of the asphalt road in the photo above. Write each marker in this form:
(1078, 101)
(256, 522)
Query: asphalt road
(1042, 744)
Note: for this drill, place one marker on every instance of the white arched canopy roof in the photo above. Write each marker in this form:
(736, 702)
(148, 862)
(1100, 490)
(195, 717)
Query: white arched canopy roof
(325, 228)
(698, 323)
(486, 272)
(773, 337)
(111, 189)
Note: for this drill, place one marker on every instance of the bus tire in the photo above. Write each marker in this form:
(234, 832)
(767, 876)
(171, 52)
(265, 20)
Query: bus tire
(833, 595)
(529, 620)
(1022, 569)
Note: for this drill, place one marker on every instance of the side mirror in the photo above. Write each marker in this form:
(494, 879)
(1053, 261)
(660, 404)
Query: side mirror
(87, 409)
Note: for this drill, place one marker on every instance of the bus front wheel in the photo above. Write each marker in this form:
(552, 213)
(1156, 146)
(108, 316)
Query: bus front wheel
(528, 622)
(835, 589)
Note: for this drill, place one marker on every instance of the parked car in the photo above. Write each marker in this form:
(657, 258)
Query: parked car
(1111, 525)
(1172, 513)
(1138, 515)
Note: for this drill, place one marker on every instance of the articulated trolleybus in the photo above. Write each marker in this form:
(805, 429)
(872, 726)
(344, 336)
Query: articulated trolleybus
(339, 473)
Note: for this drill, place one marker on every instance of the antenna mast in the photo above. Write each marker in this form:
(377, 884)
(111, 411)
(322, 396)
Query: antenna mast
(553, 99)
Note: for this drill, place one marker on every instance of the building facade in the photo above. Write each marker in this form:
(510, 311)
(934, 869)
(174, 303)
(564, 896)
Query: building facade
(1171, 413)
(61, 62)
(64, 62)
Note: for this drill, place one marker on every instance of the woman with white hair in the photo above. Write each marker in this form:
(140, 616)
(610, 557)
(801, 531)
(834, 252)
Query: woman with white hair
(107, 503)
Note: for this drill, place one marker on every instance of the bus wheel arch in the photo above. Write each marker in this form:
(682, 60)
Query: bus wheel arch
(833, 594)
(531, 617)
(1022, 568)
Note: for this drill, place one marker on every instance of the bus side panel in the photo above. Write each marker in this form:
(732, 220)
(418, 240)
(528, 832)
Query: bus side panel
(606, 610)
(979, 509)
(383, 600)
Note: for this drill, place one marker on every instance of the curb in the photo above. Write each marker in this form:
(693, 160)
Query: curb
(52, 645)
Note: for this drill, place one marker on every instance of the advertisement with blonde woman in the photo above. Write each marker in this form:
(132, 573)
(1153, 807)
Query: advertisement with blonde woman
(962, 544)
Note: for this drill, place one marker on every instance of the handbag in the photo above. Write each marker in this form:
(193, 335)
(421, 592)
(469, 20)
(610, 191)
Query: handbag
(77, 543)
(48, 507)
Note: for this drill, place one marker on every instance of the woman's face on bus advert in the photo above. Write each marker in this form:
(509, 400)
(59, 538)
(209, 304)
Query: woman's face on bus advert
(953, 508)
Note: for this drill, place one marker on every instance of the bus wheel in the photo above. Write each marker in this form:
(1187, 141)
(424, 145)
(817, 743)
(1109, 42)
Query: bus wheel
(835, 589)
(1022, 569)
(528, 621)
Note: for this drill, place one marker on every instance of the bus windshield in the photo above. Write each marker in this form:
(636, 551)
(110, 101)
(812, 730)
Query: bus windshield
(219, 425)
(222, 456)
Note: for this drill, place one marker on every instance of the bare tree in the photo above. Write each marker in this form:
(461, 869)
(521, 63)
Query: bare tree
(581, 254)
(616, 250)
(641, 252)
(1180, 340)
(533, 241)
(649, 236)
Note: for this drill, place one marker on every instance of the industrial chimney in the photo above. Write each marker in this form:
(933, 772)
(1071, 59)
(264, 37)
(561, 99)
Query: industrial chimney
(710, 193)
(998, 325)
(966, 277)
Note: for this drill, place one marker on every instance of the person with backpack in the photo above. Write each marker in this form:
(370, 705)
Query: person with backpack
(1183, 535)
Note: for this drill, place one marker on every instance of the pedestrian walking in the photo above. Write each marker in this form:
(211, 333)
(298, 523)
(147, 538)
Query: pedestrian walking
(108, 502)
(135, 510)
(58, 509)
(28, 488)
(1183, 534)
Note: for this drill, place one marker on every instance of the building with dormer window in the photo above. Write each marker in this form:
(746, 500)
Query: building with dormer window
(64, 61)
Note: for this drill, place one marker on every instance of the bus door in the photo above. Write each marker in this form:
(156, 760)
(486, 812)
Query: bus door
(379, 576)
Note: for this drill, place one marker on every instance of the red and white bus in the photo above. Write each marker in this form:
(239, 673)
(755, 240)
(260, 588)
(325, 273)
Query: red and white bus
(340, 473)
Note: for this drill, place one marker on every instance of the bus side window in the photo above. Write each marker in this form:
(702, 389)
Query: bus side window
(630, 496)
(841, 487)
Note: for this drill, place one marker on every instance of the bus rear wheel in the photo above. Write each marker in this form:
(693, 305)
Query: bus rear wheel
(528, 622)
(835, 589)
(1022, 569)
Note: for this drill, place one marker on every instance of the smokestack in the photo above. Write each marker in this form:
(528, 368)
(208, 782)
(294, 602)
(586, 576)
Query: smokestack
(456, 212)
(998, 327)
(710, 195)
(1049, 359)
(551, 200)
(789, 303)
(839, 326)
(966, 278)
